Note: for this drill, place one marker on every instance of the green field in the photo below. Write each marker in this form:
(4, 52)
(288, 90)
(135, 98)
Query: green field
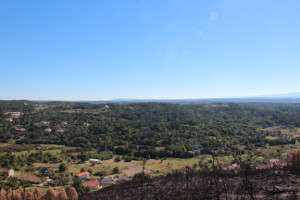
(152, 166)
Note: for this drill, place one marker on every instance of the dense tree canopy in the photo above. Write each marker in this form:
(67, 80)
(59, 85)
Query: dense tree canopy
(148, 130)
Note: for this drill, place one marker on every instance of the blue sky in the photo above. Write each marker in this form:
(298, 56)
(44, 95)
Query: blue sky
(158, 49)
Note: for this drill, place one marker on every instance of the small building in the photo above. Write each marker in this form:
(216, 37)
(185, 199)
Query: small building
(273, 161)
(231, 168)
(46, 172)
(83, 175)
(48, 130)
(44, 123)
(86, 124)
(39, 148)
(281, 164)
(93, 160)
(8, 172)
(20, 129)
(235, 165)
(60, 130)
(64, 123)
(108, 181)
(8, 119)
(123, 178)
(15, 114)
(93, 185)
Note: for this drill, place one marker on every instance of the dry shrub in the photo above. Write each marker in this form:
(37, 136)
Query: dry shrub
(9, 194)
(37, 194)
(50, 194)
(62, 195)
(72, 194)
(2, 194)
(29, 195)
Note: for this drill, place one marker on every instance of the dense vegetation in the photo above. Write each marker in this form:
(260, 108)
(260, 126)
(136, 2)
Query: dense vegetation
(150, 130)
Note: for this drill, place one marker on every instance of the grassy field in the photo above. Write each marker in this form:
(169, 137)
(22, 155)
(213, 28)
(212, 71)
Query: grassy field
(53, 166)
(169, 164)
(271, 138)
(294, 131)
(130, 168)
(5, 144)
(53, 152)
(53, 149)
(28, 177)
(152, 166)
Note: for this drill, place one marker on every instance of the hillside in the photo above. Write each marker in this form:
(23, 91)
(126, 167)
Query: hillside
(136, 130)
(62, 139)
(189, 184)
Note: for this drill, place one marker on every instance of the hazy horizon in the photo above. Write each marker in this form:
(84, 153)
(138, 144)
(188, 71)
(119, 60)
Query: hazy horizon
(268, 96)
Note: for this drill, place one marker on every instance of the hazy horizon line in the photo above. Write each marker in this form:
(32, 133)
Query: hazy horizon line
(282, 95)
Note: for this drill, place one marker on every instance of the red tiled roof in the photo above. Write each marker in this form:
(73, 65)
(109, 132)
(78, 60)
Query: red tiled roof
(234, 165)
(92, 183)
(5, 170)
(20, 129)
(83, 174)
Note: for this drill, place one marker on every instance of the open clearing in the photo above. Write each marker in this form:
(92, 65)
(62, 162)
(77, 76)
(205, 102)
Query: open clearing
(133, 167)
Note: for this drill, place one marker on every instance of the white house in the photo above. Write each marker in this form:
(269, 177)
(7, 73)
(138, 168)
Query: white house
(108, 181)
(123, 178)
(93, 160)
(48, 130)
(64, 123)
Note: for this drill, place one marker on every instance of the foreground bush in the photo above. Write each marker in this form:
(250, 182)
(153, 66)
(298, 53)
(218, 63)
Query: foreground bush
(50, 194)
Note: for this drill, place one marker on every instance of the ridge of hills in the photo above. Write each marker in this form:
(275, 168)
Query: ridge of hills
(274, 98)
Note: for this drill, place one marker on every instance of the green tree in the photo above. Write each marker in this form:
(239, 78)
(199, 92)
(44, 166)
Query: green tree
(116, 170)
(62, 167)
(117, 159)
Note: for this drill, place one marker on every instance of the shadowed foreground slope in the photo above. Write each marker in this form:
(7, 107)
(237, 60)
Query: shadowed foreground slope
(189, 184)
